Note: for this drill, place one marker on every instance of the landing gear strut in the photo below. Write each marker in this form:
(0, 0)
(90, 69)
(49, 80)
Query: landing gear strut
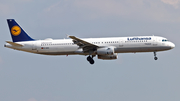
(155, 58)
(90, 59)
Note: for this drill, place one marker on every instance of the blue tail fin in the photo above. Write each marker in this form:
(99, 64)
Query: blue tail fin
(17, 33)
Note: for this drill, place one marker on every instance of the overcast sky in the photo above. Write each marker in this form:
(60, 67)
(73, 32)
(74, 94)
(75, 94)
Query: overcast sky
(132, 77)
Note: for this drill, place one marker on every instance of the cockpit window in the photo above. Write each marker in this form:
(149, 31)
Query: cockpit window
(164, 40)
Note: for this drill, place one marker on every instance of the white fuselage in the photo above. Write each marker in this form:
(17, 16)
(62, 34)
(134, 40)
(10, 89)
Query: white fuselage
(120, 44)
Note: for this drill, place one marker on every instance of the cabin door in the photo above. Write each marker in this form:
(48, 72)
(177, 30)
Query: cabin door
(121, 42)
(34, 47)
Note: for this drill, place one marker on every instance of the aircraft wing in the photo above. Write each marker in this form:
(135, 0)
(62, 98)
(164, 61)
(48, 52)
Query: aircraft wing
(86, 46)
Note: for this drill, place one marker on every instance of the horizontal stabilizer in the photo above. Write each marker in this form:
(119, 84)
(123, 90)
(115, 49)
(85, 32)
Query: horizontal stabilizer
(14, 44)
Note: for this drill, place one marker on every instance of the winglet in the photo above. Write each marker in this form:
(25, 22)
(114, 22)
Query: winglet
(67, 35)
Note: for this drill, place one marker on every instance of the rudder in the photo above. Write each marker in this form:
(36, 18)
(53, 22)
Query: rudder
(17, 33)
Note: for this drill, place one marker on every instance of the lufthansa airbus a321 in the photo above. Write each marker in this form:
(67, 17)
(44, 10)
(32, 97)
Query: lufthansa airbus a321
(104, 48)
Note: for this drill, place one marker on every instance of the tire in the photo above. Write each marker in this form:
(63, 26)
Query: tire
(155, 58)
(89, 58)
(91, 62)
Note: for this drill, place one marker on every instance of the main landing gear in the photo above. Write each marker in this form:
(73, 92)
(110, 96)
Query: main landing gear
(90, 59)
(155, 58)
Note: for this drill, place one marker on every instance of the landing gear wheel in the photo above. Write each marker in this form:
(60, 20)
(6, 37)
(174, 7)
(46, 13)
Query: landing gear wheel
(91, 62)
(90, 59)
(155, 58)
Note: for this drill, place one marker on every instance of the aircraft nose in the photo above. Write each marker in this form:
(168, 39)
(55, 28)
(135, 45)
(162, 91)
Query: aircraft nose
(172, 45)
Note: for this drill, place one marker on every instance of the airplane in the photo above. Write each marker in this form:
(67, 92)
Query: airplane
(104, 48)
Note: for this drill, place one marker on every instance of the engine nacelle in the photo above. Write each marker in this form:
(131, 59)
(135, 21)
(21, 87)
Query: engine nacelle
(105, 51)
(108, 57)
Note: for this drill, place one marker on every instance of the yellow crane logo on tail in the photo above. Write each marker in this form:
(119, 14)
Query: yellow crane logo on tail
(15, 30)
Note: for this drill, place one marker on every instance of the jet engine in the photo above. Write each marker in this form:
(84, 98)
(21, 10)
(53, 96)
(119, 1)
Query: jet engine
(105, 51)
(108, 57)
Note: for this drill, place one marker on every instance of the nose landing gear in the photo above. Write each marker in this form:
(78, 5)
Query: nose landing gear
(155, 58)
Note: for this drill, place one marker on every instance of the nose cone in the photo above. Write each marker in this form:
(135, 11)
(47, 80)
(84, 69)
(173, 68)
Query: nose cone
(172, 45)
